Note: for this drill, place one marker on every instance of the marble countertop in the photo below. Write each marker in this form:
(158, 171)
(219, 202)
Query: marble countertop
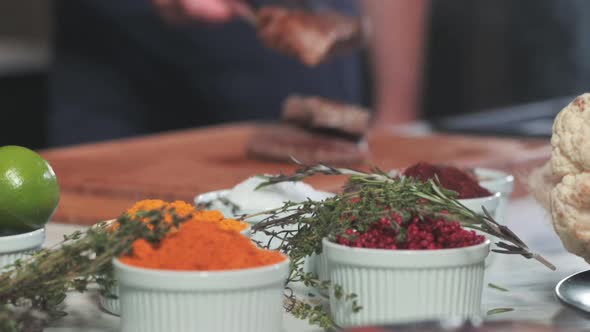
(530, 284)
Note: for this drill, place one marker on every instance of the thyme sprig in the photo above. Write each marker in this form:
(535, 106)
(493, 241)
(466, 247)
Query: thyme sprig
(37, 286)
(378, 194)
(367, 197)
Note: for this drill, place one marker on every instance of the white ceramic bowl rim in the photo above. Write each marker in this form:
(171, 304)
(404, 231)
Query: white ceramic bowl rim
(492, 197)
(132, 276)
(216, 194)
(489, 202)
(496, 180)
(210, 196)
(21, 242)
(406, 258)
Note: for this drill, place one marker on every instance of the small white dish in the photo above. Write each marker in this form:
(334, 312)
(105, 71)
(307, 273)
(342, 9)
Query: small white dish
(248, 300)
(213, 200)
(396, 286)
(490, 203)
(497, 182)
(112, 304)
(19, 246)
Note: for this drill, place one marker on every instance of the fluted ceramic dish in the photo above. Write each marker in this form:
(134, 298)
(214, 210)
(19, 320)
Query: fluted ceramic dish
(395, 286)
(497, 182)
(248, 300)
(490, 203)
(112, 304)
(13, 247)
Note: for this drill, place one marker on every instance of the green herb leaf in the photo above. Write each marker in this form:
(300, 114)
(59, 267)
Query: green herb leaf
(499, 311)
(496, 287)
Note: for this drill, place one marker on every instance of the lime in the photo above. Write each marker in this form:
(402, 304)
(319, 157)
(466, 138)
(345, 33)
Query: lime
(29, 192)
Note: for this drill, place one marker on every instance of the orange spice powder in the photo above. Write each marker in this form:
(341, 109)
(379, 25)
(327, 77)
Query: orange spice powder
(183, 209)
(225, 223)
(201, 246)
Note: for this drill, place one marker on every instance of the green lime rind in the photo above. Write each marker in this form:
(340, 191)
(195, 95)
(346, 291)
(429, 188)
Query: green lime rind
(29, 190)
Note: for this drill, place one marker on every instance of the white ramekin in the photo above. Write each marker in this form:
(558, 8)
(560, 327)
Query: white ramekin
(249, 300)
(112, 304)
(318, 264)
(13, 247)
(490, 203)
(497, 182)
(396, 286)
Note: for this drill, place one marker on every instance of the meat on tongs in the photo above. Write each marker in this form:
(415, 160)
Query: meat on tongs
(312, 37)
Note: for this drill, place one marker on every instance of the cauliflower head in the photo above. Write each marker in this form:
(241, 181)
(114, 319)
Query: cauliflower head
(563, 185)
(570, 140)
(570, 211)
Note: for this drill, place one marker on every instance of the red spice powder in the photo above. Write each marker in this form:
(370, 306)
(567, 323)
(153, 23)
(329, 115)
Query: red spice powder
(451, 178)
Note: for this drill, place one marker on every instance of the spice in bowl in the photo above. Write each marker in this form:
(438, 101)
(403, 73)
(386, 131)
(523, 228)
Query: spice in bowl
(181, 210)
(416, 233)
(201, 246)
(185, 210)
(204, 271)
(451, 178)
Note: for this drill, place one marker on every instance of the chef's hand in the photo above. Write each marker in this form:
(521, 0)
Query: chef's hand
(184, 11)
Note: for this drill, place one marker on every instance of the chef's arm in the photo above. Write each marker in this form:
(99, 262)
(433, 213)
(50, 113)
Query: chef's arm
(397, 38)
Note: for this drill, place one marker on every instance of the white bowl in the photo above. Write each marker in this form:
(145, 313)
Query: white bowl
(249, 300)
(112, 304)
(497, 182)
(14, 247)
(490, 203)
(320, 266)
(213, 197)
(396, 286)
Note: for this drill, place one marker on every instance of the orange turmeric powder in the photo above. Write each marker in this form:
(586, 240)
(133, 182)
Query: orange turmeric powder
(183, 209)
(201, 246)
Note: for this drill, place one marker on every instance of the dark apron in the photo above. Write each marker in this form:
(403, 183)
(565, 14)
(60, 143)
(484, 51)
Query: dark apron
(119, 70)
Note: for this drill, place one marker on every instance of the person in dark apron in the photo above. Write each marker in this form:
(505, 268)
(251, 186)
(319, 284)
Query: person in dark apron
(119, 69)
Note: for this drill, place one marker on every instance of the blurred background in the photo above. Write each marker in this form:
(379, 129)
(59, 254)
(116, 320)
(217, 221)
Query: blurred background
(482, 58)
(25, 41)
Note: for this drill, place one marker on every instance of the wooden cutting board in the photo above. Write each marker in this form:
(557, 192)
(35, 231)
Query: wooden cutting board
(99, 181)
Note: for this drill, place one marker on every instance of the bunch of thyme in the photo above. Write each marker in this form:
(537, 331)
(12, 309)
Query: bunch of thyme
(367, 197)
(376, 194)
(36, 287)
